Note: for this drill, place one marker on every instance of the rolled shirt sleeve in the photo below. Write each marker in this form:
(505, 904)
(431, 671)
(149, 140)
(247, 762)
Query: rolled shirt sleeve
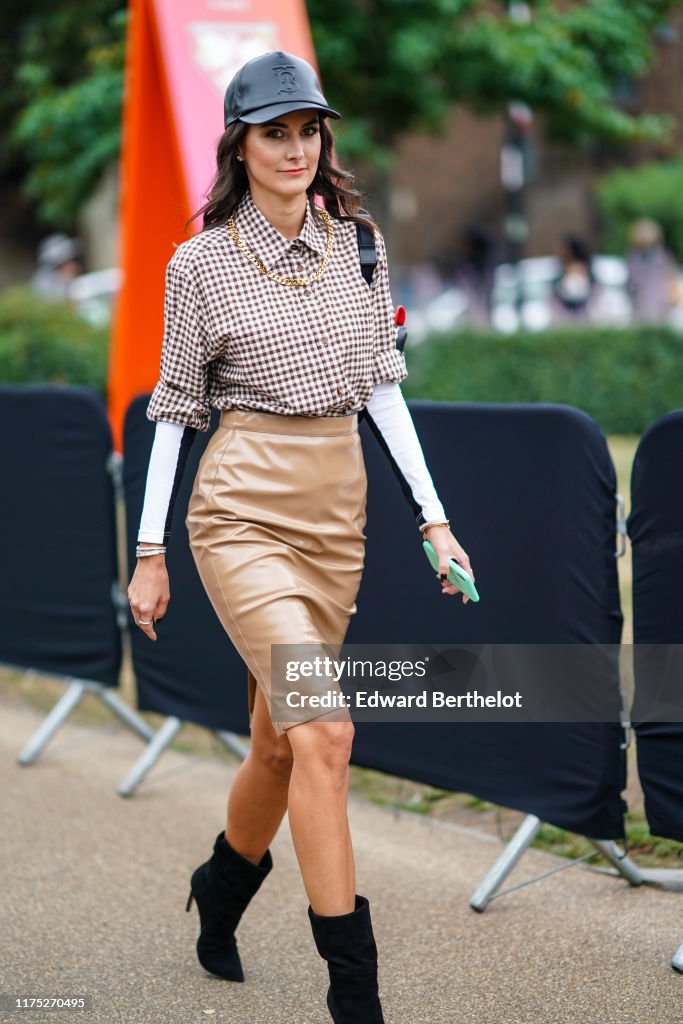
(389, 362)
(181, 393)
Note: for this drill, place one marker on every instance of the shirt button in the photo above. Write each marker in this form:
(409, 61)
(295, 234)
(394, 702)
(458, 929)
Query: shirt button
(341, 391)
(307, 292)
(324, 341)
(299, 267)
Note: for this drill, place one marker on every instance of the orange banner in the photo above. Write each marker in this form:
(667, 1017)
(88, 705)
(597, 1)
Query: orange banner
(180, 56)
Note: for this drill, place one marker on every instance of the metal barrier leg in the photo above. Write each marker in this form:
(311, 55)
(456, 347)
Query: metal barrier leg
(150, 755)
(621, 861)
(677, 962)
(512, 853)
(126, 714)
(67, 703)
(518, 845)
(56, 718)
(233, 743)
(155, 748)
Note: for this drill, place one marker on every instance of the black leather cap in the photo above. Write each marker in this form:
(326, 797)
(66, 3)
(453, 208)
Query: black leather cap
(275, 83)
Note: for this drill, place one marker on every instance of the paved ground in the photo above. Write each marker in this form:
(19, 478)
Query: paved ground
(94, 887)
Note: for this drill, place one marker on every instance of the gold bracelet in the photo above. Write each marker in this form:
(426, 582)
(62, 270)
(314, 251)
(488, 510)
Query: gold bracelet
(427, 526)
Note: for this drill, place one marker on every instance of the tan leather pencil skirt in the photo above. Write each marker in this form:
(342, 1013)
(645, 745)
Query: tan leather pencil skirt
(275, 521)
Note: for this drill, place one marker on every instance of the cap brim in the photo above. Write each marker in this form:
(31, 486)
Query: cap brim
(271, 112)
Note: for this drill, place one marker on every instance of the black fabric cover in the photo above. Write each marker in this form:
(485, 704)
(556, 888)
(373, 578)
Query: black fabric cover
(530, 492)
(192, 671)
(57, 532)
(655, 527)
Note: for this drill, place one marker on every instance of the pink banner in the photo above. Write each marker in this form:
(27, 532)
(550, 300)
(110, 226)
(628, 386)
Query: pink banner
(203, 43)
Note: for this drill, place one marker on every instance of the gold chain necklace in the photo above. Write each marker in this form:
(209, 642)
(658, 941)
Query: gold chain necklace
(294, 282)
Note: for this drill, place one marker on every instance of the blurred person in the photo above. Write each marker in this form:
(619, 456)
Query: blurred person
(277, 509)
(474, 274)
(59, 262)
(574, 289)
(652, 273)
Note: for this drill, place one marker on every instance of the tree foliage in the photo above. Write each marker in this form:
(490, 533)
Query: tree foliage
(392, 66)
(396, 66)
(61, 83)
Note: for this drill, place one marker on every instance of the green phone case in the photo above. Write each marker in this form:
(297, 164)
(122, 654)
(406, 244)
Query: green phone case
(458, 576)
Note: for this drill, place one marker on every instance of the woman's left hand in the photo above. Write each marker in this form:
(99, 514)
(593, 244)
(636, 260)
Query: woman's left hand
(447, 547)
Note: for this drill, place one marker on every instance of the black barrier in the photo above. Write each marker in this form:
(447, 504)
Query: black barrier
(57, 531)
(531, 494)
(655, 526)
(530, 491)
(192, 671)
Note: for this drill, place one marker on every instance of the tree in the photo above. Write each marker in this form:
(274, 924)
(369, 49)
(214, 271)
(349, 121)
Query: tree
(61, 83)
(397, 66)
(393, 66)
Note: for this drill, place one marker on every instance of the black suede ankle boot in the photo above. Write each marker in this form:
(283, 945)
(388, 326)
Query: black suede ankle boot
(222, 888)
(347, 943)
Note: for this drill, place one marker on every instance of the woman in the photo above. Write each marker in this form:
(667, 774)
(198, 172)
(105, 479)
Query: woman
(653, 275)
(574, 288)
(268, 317)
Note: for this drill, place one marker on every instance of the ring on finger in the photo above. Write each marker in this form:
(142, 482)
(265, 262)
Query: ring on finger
(145, 622)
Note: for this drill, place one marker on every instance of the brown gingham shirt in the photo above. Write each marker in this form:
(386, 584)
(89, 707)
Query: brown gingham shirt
(234, 338)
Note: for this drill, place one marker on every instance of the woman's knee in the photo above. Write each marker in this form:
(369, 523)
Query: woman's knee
(322, 745)
(275, 755)
(272, 752)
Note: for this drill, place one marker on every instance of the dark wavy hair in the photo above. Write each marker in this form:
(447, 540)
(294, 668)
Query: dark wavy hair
(332, 183)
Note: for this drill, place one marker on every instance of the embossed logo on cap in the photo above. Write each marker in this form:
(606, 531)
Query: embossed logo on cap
(285, 73)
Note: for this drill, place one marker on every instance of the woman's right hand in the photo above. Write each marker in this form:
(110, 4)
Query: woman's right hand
(149, 593)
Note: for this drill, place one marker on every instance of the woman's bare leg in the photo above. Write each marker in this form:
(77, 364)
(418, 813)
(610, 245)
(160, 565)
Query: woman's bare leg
(258, 796)
(318, 793)
(306, 772)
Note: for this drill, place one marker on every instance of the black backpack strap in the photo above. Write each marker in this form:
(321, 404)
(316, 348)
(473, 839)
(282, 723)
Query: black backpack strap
(367, 251)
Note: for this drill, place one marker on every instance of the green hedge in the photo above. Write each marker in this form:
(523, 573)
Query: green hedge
(624, 379)
(45, 342)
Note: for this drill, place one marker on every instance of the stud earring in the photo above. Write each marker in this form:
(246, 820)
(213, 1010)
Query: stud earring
(240, 158)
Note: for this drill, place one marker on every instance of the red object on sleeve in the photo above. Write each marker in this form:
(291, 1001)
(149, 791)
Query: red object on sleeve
(400, 317)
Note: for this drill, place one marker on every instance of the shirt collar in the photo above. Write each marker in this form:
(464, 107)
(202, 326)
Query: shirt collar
(266, 241)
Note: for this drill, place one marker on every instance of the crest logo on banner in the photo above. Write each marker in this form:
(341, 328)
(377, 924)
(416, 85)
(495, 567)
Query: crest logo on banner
(219, 49)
